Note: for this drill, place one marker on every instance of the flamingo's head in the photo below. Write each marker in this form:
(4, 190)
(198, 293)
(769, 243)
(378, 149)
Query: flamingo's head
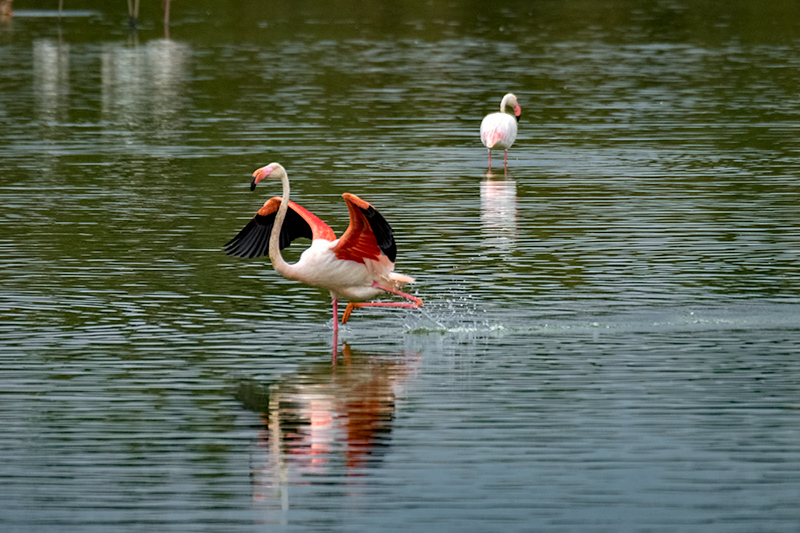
(273, 170)
(511, 100)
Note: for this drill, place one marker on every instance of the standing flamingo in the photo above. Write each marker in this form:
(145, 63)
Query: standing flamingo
(356, 267)
(498, 130)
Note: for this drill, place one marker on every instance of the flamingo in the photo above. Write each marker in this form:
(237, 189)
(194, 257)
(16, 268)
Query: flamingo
(358, 266)
(5, 9)
(498, 130)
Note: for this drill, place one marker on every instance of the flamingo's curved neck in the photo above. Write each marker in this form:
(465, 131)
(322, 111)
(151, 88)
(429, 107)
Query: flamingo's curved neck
(503, 103)
(282, 267)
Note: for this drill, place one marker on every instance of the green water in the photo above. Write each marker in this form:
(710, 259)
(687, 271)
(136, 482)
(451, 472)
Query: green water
(610, 335)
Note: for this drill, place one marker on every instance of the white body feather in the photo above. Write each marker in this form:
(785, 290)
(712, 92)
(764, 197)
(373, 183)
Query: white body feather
(498, 131)
(346, 280)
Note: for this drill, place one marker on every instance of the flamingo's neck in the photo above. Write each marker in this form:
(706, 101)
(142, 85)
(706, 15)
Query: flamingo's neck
(503, 103)
(282, 267)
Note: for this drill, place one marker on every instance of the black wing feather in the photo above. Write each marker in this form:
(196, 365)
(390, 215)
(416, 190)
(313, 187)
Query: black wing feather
(253, 240)
(382, 231)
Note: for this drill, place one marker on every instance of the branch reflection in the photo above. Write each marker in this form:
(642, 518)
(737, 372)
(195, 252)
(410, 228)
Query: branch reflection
(51, 80)
(143, 87)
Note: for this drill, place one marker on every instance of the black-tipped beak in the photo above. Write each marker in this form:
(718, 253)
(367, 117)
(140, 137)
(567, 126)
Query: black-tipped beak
(516, 117)
(262, 173)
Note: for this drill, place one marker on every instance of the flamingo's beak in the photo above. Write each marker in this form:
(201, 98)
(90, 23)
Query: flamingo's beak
(259, 175)
(517, 112)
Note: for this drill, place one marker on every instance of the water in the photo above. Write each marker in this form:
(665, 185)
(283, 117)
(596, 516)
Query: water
(610, 335)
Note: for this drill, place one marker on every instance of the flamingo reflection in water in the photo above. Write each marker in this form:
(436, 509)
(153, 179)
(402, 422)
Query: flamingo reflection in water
(323, 423)
(499, 212)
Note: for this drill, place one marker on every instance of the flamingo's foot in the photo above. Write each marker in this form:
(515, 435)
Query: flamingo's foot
(347, 311)
(416, 301)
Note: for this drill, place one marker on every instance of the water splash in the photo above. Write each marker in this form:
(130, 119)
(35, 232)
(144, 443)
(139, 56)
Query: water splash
(461, 315)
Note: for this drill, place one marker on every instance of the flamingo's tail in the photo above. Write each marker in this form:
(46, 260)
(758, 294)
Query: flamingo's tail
(400, 279)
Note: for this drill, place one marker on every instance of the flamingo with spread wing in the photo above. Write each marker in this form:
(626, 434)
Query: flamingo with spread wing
(358, 266)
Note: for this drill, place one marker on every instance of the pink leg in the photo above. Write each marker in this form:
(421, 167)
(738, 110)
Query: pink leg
(335, 329)
(505, 157)
(414, 299)
(415, 302)
(354, 305)
(407, 305)
(490, 159)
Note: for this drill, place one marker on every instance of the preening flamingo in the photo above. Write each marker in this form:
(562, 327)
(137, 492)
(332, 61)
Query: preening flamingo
(357, 266)
(498, 130)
